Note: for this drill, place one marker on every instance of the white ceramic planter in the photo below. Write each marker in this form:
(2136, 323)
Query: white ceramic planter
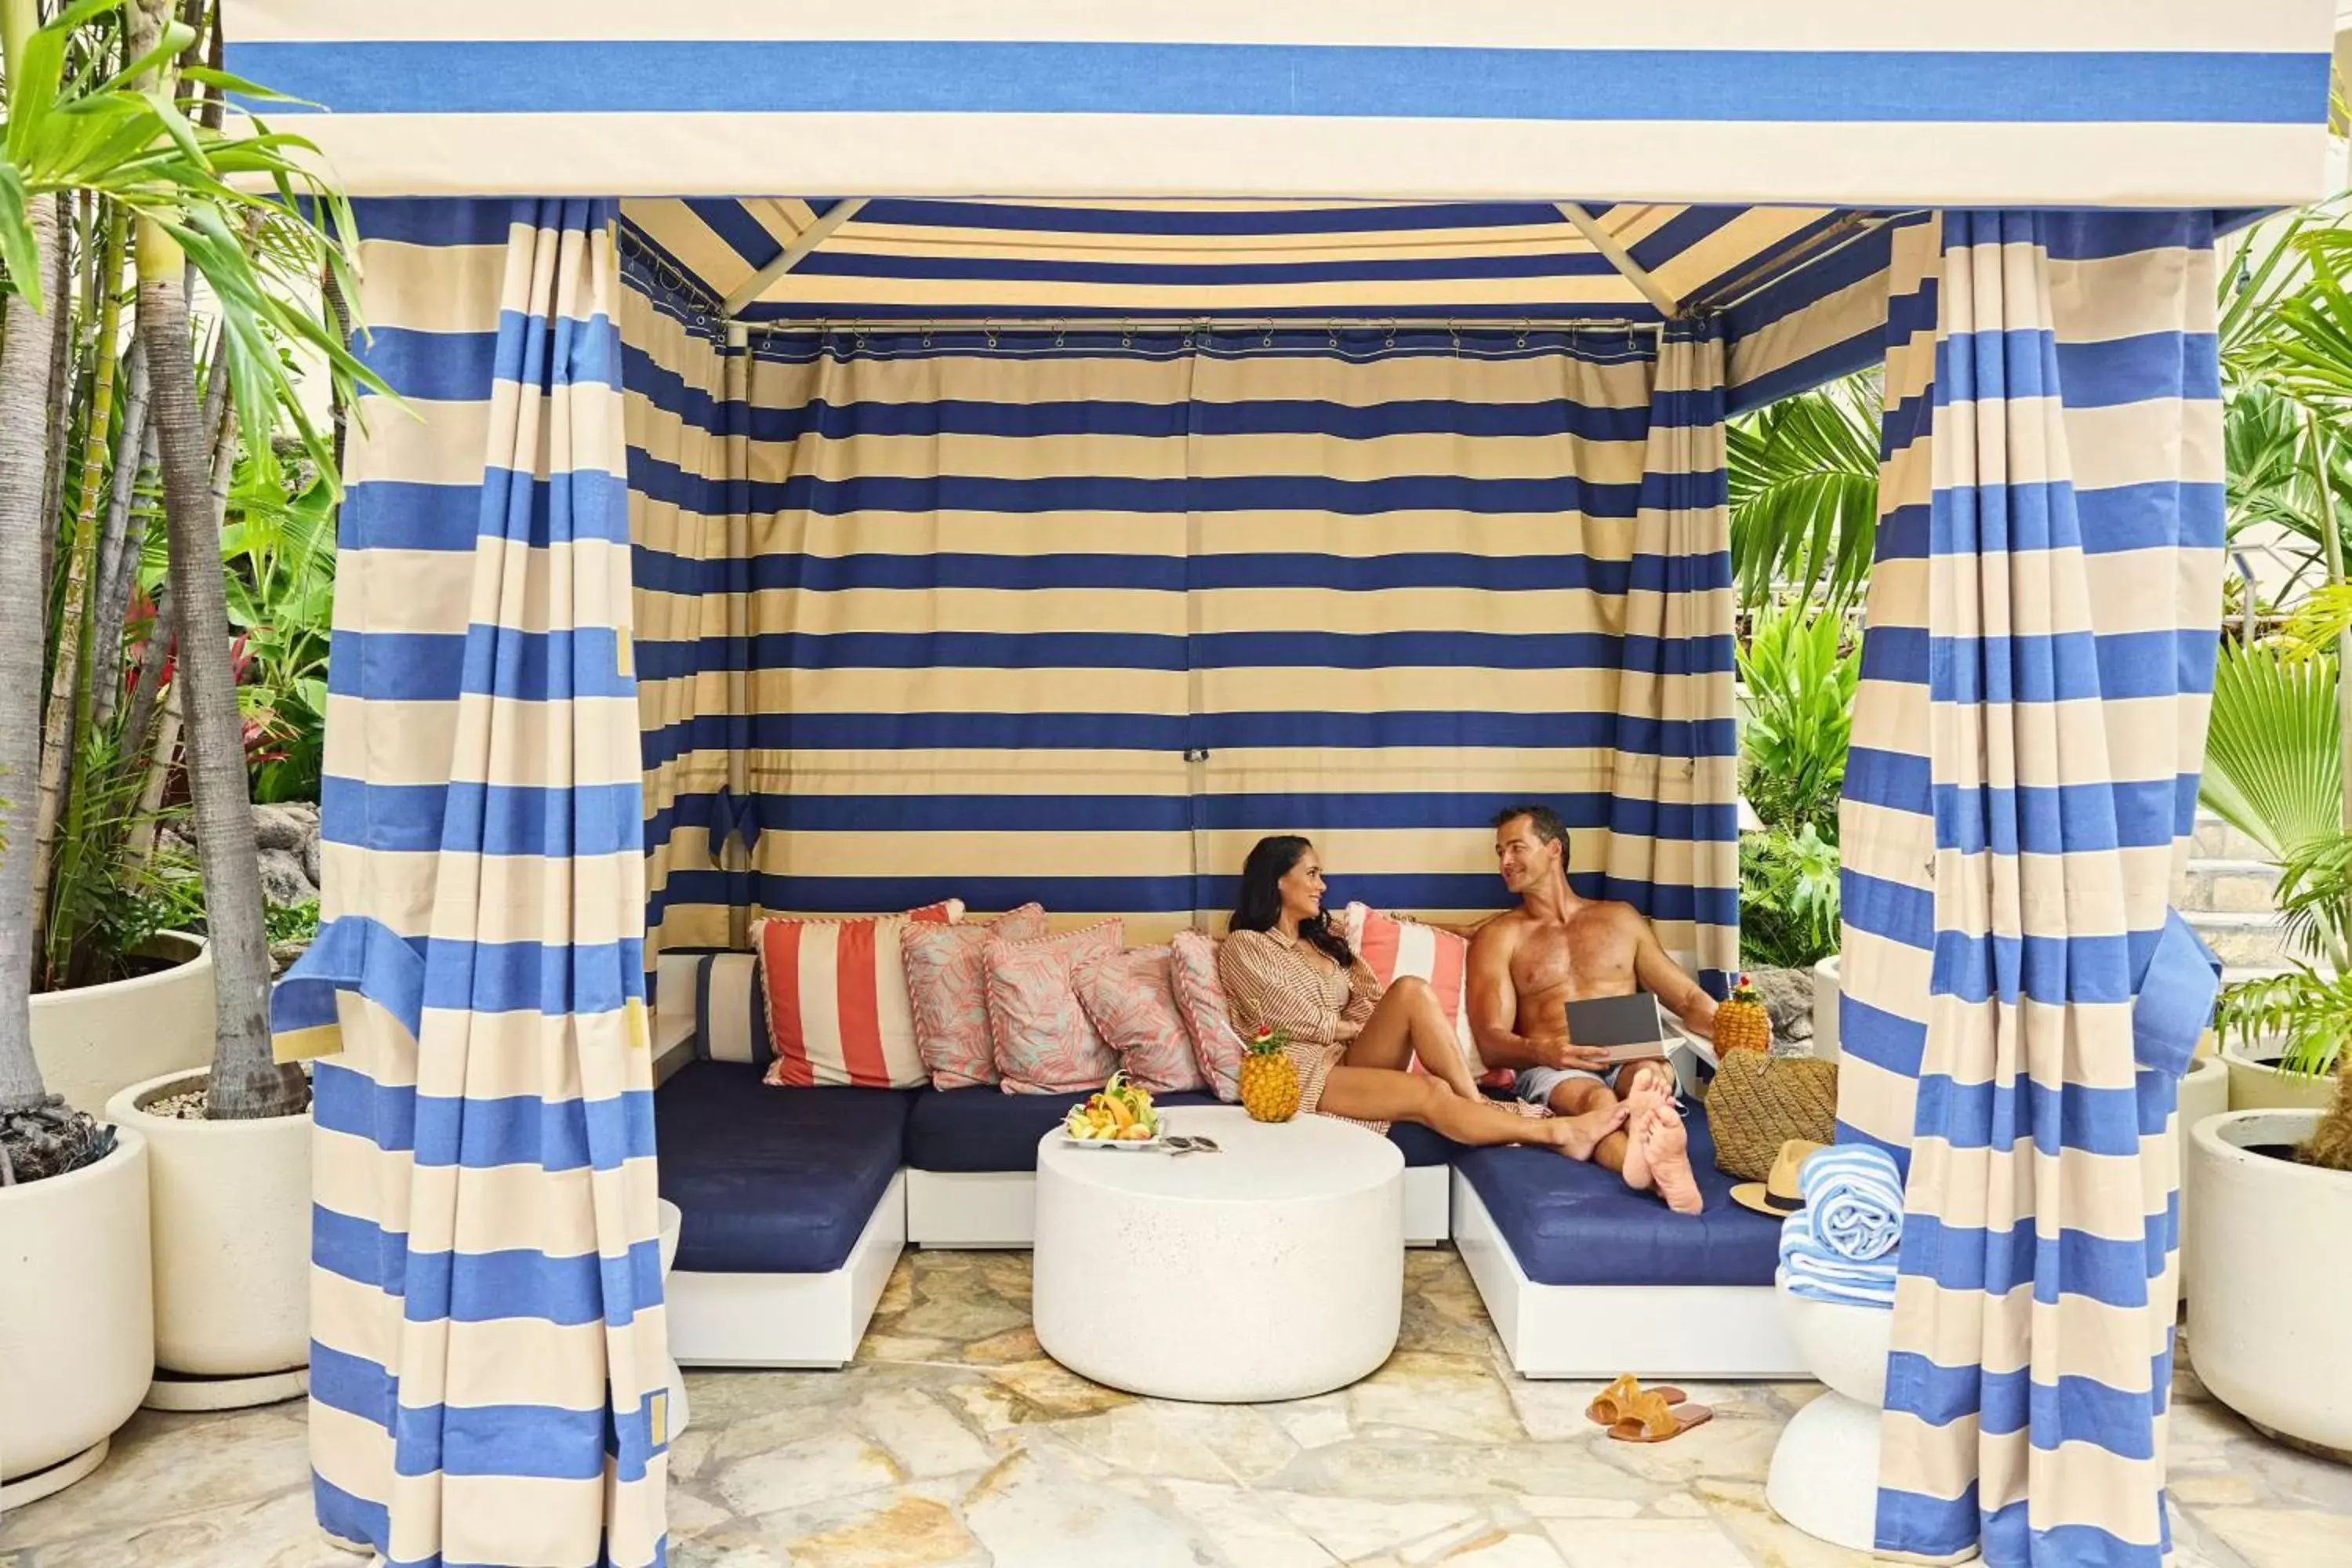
(2259, 1086)
(2269, 1275)
(231, 1207)
(1825, 1008)
(2204, 1092)
(92, 1041)
(76, 1319)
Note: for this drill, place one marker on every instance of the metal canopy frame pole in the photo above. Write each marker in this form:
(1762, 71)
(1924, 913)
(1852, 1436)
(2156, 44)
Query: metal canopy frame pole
(799, 251)
(1620, 257)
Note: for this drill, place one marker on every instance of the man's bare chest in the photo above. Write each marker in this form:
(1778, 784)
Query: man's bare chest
(1580, 957)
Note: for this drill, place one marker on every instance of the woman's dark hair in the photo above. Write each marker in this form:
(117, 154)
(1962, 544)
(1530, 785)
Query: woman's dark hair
(1258, 905)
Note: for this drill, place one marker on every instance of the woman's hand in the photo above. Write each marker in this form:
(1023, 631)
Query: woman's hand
(1345, 1030)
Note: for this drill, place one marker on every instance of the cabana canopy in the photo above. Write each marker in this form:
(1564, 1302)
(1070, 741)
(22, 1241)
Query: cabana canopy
(1344, 335)
(1839, 102)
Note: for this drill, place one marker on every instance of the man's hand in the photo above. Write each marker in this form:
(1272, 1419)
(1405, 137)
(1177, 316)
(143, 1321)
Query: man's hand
(1559, 1051)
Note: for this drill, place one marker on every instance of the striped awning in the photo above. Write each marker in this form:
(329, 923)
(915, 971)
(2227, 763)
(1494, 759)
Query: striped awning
(1844, 103)
(896, 258)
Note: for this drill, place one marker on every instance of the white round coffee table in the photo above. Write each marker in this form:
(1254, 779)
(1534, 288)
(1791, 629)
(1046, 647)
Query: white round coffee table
(1272, 1269)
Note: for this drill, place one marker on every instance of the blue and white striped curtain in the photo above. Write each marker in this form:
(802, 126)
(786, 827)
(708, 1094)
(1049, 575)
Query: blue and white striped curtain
(1011, 616)
(2037, 670)
(487, 1377)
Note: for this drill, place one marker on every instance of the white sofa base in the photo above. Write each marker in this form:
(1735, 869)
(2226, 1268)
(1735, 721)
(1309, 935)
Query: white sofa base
(1721, 1331)
(998, 1209)
(800, 1321)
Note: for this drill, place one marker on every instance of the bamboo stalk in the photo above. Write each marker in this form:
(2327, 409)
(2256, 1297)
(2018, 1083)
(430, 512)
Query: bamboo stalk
(2334, 546)
(67, 701)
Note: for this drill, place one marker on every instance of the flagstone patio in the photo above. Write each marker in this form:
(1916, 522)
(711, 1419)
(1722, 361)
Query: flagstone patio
(952, 1440)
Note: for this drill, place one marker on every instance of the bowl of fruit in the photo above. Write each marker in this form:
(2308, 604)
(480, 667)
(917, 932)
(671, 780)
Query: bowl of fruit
(1119, 1115)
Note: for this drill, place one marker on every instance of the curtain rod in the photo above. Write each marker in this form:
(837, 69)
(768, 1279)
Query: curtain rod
(1059, 326)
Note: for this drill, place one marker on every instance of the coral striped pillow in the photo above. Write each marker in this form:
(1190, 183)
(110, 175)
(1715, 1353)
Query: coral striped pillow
(837, 997)
(1391, 946)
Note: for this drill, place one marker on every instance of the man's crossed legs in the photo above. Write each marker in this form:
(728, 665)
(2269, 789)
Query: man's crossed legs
(1630, 1115)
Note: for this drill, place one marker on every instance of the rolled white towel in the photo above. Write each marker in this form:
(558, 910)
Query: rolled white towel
(1855, 1198)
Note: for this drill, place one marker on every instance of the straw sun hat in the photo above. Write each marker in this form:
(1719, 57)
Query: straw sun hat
(1777, 1195)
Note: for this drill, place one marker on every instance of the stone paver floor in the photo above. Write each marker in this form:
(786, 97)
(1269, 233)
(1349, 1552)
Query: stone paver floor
(953, 1440)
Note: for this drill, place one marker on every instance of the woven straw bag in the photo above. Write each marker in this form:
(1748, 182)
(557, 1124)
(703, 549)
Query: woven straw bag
(1759, 1102)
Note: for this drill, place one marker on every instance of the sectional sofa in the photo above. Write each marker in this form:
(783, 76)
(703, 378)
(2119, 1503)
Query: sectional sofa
(797, 1202)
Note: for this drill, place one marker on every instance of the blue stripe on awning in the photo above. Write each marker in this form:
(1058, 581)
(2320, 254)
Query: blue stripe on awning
(1989, 87)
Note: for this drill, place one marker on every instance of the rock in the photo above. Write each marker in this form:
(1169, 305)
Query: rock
(1789, 997)
(289, 826)
(310, 860)
(283, 883)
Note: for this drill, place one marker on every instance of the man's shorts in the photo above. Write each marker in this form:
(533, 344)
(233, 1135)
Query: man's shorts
(1535, 1085)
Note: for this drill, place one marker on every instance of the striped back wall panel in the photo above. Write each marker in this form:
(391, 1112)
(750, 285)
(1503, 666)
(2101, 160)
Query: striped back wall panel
(487, 1382)
(1078, 619)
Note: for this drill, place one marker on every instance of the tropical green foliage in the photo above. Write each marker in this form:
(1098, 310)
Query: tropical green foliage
(2272, 755)
(1788, 898)
(1804, 493)
(1801, 674)
(2308, 1010)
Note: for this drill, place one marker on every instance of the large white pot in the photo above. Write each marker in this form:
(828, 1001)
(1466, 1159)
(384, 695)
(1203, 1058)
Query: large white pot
(1825, 1006)
(76, 1319)
(92, 1041)
(232, 1206)
(2204, 1092)
(2269, 1277)
(2256, 1085)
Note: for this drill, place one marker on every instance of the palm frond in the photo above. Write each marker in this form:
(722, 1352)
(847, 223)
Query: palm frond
(1804, 493)
(2273, 763)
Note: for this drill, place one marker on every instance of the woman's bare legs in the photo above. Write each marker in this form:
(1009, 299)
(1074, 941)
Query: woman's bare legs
(1385, 1094)
(1409, 1023)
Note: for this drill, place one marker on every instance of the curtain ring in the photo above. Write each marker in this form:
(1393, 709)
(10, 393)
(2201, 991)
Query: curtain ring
(927, 334)
(1267, 341)
(1388, 342)
(1524, 327)
(988, 330)
(1061, 333)
(1126, 334)
(1332, 329)
(1454, 334)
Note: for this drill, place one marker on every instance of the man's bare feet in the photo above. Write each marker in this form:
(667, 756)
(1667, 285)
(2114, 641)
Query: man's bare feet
(1580, 1135)
(1644, 1099)
(1666, 1145)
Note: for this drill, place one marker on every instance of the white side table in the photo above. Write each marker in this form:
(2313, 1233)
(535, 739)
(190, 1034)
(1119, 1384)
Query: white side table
(673, 1221)
(1824, 1475)
(1273, 1269)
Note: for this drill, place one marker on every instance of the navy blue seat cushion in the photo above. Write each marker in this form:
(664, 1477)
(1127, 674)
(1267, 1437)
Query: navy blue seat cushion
(772, 1181)
(985, 1128)
(1423, 1147)
(1570, 1222)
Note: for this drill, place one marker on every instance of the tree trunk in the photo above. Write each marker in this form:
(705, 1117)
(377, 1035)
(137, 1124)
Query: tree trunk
(59, 416)
(118, 552)
(67, 703)
(247, 1081)
(25, 363)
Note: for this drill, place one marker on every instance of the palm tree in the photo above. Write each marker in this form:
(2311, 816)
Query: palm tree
(1804, 493)
(242, 212)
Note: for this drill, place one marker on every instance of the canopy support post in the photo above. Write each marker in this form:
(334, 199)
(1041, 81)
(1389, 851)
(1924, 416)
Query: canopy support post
(792, 255)
(1620, 257)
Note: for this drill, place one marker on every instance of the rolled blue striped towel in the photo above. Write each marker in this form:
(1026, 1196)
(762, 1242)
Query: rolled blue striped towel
(1812, 1270)
(1855, 1197)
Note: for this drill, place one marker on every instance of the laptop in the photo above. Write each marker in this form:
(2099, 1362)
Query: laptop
(1632, 1028)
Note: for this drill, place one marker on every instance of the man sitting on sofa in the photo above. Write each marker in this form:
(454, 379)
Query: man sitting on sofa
(1527, 964)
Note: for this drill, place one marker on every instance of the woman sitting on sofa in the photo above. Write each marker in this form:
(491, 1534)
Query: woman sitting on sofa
(1283, 966)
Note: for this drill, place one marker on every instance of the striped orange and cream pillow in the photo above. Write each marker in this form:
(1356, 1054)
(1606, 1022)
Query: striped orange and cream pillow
(836, 991)
(1392, 946)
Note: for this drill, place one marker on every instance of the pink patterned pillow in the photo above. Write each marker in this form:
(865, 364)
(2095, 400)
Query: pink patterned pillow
(949, 988)
(1044, 1043)
(1201, 999)
(1131, 999)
